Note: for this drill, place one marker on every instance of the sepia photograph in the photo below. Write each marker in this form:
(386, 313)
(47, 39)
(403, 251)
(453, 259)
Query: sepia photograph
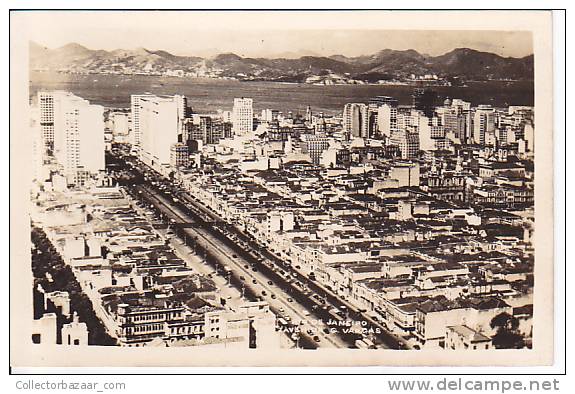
(281, 188)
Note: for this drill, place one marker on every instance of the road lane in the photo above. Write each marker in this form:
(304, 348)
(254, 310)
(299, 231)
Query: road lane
(225, 255)
(250, 249)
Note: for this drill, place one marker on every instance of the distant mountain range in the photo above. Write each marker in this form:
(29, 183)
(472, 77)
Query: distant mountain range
(458, 64)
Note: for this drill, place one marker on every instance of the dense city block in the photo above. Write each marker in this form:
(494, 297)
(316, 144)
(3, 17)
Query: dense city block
(382, 226)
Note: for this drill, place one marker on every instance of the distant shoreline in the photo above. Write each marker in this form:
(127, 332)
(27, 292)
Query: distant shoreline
(208, 94)
(417, 83)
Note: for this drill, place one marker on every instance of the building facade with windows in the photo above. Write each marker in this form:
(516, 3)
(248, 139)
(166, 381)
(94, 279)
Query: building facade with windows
(73, 131)
(243, 116)
(356, 119)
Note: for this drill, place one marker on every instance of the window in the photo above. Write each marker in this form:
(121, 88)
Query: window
(36, 338)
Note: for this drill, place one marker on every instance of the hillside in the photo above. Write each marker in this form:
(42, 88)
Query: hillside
(461, 63)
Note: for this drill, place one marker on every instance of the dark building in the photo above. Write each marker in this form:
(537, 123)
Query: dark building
(277, 133)
(425, 100)
(221, 130)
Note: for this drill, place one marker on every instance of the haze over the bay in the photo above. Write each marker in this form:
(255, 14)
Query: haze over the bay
(202, 35)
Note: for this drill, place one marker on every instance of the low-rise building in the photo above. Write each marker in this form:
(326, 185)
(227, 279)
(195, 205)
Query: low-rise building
(461, 337)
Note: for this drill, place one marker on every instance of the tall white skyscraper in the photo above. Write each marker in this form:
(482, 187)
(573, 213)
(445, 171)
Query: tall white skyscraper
(78, 134)
(454, 121)
(46, 100)
(159, 125)
(243, 116)
(356, 119)
(407, 142)
(135, 137)
(182, 102)
(387, 119)
(38, 147)
(483, 122)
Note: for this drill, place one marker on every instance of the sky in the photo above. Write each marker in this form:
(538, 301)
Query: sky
(265, 34)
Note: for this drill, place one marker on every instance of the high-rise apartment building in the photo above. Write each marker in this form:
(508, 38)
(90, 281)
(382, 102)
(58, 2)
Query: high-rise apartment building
(463, 110)
(46, 106)
(408, 143)
(205, 131)
(77, 134)
(217, 132)
(38, 146)
(47, 100)
(243, 116)
(159, 127)
(356, 119)
(453, 121)
(387, 119)
(308, 114)
(374, 124)
(316, 145)
(135, 114)
(183, 109)
(483, 123)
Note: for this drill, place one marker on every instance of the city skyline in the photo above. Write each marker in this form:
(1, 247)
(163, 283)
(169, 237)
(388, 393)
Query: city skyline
(377, 200)
(304, 203)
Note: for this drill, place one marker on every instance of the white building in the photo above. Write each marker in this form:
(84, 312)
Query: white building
(76, 130)
(461, 105)
(46, 102)
(387, 119)
(159, 122)
(356, 119)
(121, 123)
(75, 333)
(406, 173)
(39, 172)
(461, 337)
(483, 123)
(431, 132)
(227, 116)
(45, 329)
(529, 135)
(182, 103)
(135, 114)
(269, 115)
(243, 116)
(407, 142)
